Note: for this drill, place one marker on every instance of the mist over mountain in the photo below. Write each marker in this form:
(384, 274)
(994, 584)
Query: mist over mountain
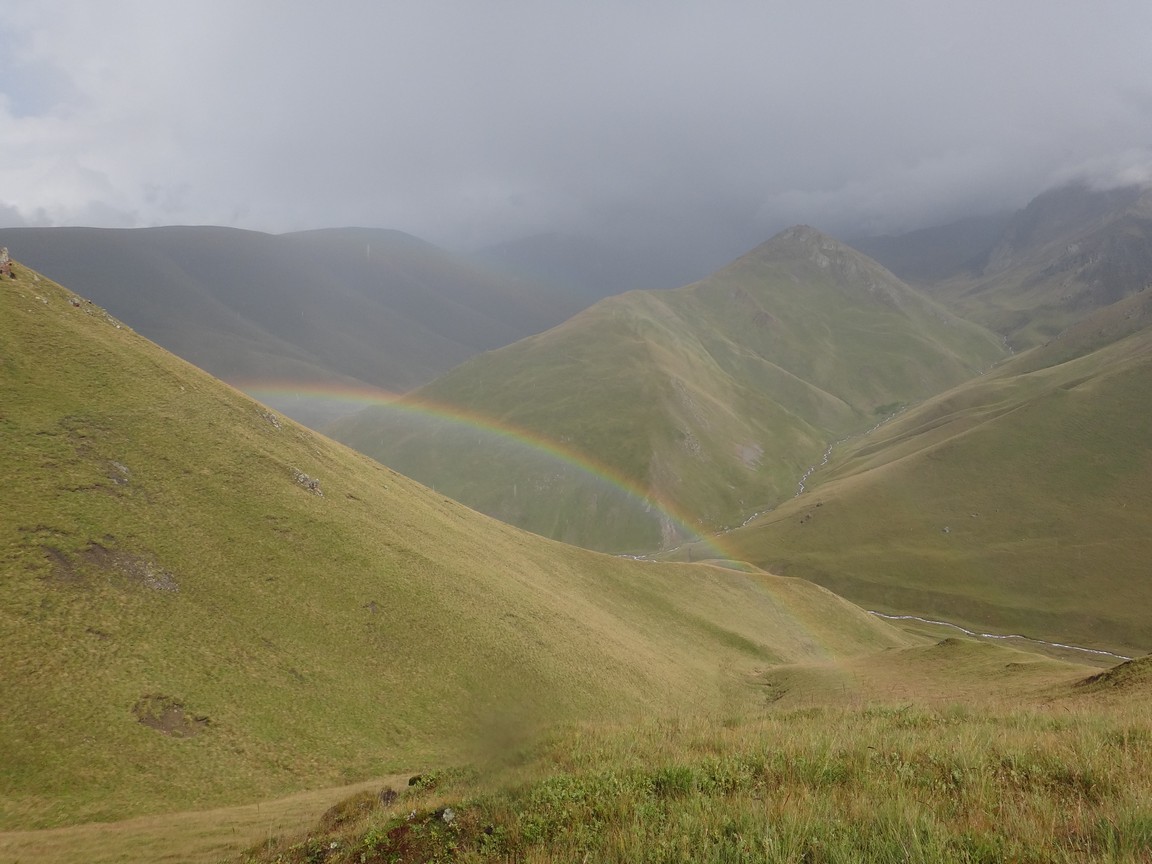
(590, 268)
(1029, 275)
(928, 255)
(334, 308)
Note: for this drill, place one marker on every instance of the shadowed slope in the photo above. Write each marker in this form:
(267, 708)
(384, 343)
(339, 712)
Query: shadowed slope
(334, 306)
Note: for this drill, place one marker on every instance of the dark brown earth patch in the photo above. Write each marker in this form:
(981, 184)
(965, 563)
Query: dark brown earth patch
(168, 715)
(62, 571)
(96, 557)
(137, 568)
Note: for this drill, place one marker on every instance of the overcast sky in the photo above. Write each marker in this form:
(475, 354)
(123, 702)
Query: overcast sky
(468, 122)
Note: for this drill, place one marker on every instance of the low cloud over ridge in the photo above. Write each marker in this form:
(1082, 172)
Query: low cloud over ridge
(708, 124)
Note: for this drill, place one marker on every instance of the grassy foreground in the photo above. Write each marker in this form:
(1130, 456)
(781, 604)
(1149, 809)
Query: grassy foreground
(818, 784)
(188, 837)
(958, 751)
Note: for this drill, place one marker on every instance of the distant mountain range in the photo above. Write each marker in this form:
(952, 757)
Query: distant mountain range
(707, 401)
(1031, 274)
(333, 308)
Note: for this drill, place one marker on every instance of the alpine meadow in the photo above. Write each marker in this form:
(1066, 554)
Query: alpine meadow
(575, 432)
(230, 638)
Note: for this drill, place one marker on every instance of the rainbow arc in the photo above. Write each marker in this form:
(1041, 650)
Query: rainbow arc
(364, 396)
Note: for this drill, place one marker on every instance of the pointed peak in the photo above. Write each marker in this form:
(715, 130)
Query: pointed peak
(801, 232)
(808, 239)
(811, 244)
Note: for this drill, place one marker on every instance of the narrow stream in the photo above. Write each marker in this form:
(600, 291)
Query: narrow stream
(997, 635)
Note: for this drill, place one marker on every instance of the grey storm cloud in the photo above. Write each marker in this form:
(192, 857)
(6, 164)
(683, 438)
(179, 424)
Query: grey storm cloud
(468, 123)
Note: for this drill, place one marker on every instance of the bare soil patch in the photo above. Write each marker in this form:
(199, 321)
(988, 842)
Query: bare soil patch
(168, 715)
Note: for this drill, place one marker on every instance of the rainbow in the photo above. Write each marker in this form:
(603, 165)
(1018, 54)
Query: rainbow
(350, 398)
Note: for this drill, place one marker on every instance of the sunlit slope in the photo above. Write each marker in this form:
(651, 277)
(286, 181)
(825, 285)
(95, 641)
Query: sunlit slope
(949, 672)
(956, 751)
(711, 399)
(201, 602)
(1018, 502)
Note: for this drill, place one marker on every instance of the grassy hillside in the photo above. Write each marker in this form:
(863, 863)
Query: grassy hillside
(1036, 766)
(335, 306)
(203, 603)
(709, 399)
(1018, 501)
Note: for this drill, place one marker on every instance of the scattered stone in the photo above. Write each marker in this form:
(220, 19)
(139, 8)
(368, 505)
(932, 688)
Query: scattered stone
(158, 580)
(135, 567)
(309, 483)
(946, 530)
(5, 263)
(120, 475)
(271, 418)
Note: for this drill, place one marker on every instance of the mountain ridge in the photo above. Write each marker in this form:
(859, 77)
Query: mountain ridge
(332, 306)
(730, 387)
(1070, 251)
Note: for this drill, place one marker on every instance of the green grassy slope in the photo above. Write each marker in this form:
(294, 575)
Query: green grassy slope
(186, 619)
(711, 398)
(979, 753)
(336, 306)
(1017, 502)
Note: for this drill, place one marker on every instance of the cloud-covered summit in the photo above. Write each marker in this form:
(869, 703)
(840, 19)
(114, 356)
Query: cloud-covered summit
(472, 123)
